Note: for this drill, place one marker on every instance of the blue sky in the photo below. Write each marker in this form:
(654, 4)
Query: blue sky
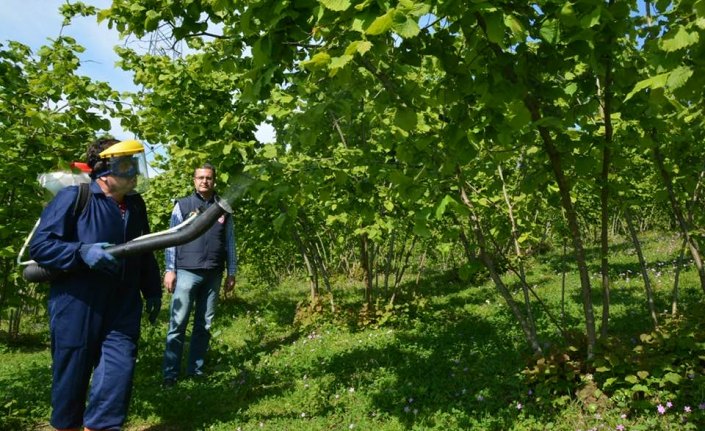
(34, 22)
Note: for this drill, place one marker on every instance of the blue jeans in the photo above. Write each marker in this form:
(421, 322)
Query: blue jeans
(196, 289)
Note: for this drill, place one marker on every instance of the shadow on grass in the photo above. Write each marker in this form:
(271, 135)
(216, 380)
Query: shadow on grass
(229, 386)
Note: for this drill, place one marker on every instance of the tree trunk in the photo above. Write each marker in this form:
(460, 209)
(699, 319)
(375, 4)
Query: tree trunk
(367, 267)
(676, 278)
(563, 272)
(604, 192)
(388, 263)
(642, 265)
(489, 264)
(572, 219)
(310, 267)
(519, 254)
(422, 266)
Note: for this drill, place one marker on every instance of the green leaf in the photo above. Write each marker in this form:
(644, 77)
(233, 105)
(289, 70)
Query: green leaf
(441, 209)
(339, 62)
(279, 222)
(269, 151)
(640, 388)
(610, 381)
(421, 229)
(151, 21)
(699, 8)
(678, 77)
(406, 119)
(261, 51)
(319, 60)
(550, 31)
(518, 115)
(381, 24)
(673, 378)
(658, 81)
(407, 29)
(679, 39)
(495, 27)
(591, 19)
(568, 14)
(336, 5)
(359, 46)
(571, 88)
(516, 27)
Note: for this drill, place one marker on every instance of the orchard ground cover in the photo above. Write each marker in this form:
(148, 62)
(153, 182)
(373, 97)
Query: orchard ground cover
(447, 356)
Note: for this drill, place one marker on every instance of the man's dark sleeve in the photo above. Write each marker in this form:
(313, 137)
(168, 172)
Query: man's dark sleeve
(53, 244)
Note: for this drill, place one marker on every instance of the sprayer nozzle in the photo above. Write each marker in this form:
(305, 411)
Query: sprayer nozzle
(224, 205)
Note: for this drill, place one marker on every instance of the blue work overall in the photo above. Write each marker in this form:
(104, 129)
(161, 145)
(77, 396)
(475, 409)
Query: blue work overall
(94, 317)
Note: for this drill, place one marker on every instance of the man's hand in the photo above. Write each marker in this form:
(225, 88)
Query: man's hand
(152, 307)
(96, 258)
(170, 281)
(229, 285)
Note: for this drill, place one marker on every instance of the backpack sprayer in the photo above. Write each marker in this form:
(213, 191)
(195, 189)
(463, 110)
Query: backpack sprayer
(188, 230)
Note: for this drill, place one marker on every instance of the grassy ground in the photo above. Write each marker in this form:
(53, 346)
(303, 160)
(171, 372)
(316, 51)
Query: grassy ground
(450, 357)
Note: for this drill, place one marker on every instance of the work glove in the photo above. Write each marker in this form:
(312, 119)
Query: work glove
(152, 307)
(97, 258)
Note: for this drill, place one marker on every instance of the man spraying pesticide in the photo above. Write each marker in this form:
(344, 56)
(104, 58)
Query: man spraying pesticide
(96, 252)
(95, 306)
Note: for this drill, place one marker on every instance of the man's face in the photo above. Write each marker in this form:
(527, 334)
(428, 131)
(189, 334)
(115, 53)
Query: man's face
(120, 185)
(204, 181)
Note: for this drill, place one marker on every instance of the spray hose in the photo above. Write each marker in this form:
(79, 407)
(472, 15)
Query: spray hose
(191, 229)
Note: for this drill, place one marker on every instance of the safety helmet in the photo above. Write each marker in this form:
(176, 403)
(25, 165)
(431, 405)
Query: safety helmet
(125, 159)
(123, 148)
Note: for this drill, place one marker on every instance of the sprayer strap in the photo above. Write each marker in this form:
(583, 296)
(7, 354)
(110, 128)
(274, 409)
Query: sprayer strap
(84, 195)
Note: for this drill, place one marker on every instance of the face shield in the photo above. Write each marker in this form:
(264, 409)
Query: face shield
(127, 160)
(124, 166)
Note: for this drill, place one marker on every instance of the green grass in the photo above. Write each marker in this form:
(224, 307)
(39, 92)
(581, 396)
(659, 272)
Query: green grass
(449, 357)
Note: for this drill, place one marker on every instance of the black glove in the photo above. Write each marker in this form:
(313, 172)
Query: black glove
(152, 307)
